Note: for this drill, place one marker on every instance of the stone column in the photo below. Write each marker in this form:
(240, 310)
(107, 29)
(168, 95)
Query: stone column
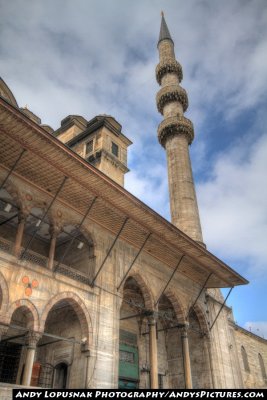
(153, 353)
(186, 359)
(31, 342)
(54, 231)
(207, 344)
(19, 235)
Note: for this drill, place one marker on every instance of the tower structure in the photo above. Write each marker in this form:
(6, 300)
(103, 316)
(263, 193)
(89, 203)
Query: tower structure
(99, 141)
(175, 134)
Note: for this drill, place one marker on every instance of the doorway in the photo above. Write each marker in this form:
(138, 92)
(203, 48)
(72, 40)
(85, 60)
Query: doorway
(60, 376)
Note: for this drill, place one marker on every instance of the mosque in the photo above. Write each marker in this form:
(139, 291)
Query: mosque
(97, 290)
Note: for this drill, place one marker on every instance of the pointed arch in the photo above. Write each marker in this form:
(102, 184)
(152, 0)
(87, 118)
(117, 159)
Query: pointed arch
(262, 367)
(33, 321)
(146, 292)
(201, 319)
(177, 305)
(79, 307)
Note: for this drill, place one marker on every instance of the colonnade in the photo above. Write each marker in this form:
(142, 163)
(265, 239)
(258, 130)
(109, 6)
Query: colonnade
(153, 352)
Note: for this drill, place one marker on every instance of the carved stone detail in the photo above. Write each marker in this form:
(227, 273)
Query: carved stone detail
(171, 93)
(152, 318)
(175, 126)
(168, 66)
(184, 330)
(23, 215)
(55, 230)
(32, 338)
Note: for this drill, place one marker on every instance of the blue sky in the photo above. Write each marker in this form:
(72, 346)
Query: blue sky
(92, 57)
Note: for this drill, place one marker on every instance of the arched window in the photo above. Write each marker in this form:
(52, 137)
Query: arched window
(263, 371)
(245, 359)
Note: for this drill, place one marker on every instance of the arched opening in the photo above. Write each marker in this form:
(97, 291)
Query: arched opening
(170, 355)
(133, 340)
(60, 359)
(8, 221)
(199, 357)
(60, 376)
(25, 229)
(74, 254)
(36, 238)
(12, 346)
(245, 359)
(262, 367)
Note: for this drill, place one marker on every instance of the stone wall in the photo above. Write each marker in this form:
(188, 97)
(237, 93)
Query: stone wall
(253, 376)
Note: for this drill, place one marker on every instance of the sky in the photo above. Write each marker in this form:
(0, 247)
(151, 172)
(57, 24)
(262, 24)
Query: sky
(91, 57)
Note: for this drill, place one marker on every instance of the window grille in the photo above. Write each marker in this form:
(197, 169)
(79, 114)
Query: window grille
(127, 356)
(9, 361)
(89, 147)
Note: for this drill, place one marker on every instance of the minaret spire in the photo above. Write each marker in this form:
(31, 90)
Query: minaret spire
(175, 133)
(164, 30)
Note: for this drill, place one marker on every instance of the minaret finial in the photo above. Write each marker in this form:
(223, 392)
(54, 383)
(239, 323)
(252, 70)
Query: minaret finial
(164, 31)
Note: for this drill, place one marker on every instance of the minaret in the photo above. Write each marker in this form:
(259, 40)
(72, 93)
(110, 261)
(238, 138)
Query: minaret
(175, 134)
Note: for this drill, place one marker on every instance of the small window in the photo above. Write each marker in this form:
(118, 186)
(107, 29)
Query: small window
(262, 366)
(245, 359)
(115, 149)
(89, 147)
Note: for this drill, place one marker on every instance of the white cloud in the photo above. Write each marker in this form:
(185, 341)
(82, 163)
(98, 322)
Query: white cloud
(233, 204)
(257, 327)
(105, 53)
(151, 187)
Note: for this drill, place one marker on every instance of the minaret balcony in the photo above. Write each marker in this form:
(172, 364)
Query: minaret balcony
(175, 126)
(171, 93)
(168, 66)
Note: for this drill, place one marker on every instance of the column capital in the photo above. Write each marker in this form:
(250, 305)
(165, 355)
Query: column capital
(184, 330)
(54, 230)
(32, 338)
(152, 318)
(23, 214)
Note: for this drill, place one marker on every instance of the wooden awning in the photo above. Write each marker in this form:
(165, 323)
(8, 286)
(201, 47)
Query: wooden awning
(48, 160)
